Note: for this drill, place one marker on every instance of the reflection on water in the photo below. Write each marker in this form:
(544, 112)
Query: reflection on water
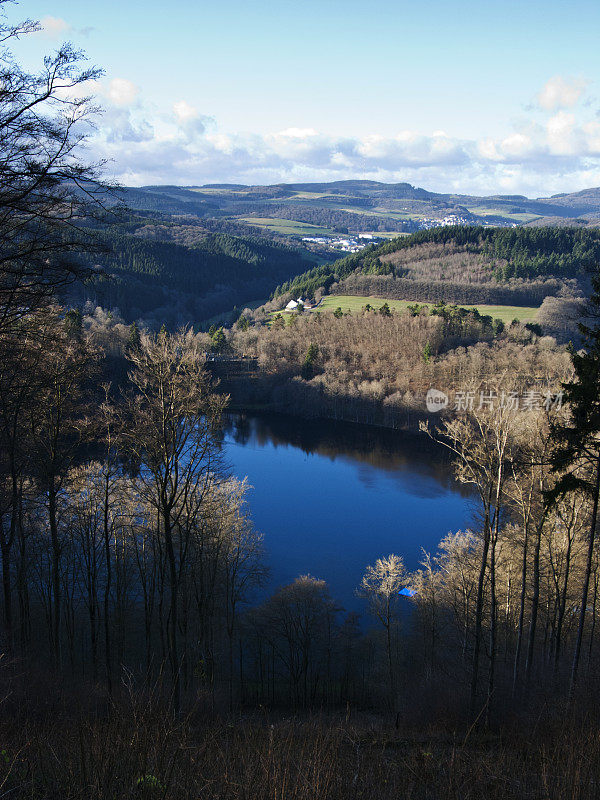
(384, 449)
(332, 497)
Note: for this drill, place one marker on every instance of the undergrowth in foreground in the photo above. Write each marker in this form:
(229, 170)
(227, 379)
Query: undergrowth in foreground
(72, 748)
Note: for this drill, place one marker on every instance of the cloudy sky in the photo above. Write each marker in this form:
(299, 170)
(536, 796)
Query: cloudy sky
(481, 97)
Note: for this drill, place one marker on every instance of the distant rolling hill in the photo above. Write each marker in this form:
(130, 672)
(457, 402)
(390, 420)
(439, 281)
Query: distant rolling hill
(357, 205)
(184, 254)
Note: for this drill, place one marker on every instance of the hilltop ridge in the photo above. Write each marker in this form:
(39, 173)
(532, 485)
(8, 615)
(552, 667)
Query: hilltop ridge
(350, 207)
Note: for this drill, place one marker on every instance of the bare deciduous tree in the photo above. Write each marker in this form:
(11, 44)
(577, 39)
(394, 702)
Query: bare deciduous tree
(171, 434)
(47, 189)
(380, 586)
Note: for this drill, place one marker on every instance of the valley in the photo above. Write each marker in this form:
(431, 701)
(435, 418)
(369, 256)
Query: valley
(299, 401)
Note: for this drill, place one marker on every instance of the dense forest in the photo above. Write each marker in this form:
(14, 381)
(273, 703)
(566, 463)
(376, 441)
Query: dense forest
(167, 272)
(172, 270)
(496, 265)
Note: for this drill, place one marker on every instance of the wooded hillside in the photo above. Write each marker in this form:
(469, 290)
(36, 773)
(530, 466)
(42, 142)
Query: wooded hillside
(155, 268)
(467, 264)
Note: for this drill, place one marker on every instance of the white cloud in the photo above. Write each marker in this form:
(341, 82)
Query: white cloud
(298, 133)
(181, 145)
(184, 111)
(122, 126)
(517, 144)
(190, 123)
(561, 92)
(122, 92)
(410, 148)
(58, 28)
(563, 136)
(488, 150)
(592, 132)
(54, 27)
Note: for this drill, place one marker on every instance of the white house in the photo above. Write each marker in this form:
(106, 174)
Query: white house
(294, 304)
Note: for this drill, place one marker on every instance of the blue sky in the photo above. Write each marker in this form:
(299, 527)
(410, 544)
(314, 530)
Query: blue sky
(473, 97)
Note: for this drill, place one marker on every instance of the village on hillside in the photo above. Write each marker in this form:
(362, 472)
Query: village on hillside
(346, 244)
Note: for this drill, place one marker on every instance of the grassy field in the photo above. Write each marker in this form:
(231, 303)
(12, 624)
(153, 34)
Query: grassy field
(293, 228)
(309, 195)
(286, 226)
(493, 211)
(353, 303)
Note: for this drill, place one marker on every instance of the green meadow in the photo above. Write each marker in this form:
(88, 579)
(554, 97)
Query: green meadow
(353, 303)
(286, 226)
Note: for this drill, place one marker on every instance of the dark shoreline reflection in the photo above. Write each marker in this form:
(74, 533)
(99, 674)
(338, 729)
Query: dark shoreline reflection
(383, 448)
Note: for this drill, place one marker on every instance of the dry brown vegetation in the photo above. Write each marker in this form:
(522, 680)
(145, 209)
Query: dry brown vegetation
(375, 368)
(513, 292)
(73, 752)
(443, 261)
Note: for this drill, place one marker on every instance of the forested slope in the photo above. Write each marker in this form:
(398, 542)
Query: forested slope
(144, 273)
(462, 264)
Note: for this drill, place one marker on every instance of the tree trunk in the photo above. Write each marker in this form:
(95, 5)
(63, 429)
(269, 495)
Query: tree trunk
(561, 608)
(593, 630)
(586, 581)
(535, 602)
(5, 548)
(493, 620)
(391, 662)
(22, 587)
(479, 617)
(173, 621)
(521, 610)
(94, 636)
(107, 586)
(56, 593)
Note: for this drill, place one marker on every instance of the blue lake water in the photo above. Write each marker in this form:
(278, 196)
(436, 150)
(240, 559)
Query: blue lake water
(331, 498)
